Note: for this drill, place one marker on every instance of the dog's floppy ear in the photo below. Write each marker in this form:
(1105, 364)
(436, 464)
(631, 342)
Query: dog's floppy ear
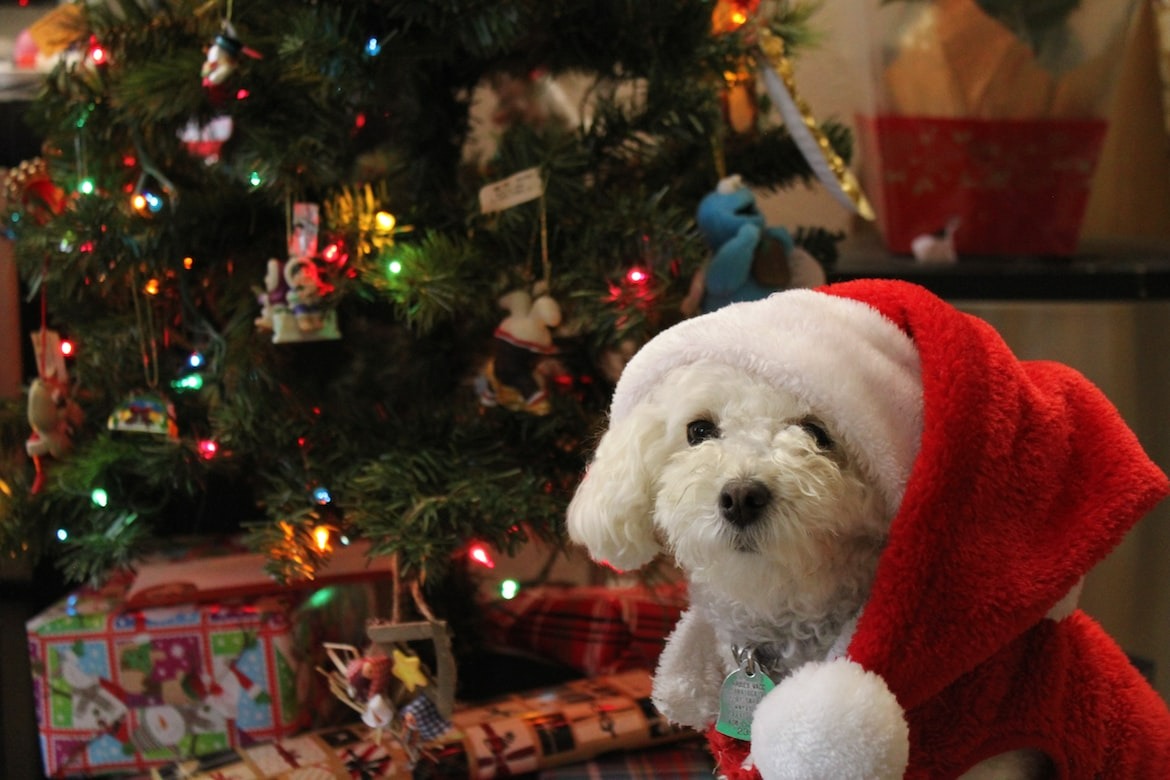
(612, 513)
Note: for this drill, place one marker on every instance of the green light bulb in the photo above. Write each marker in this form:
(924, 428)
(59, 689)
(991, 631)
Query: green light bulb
(188, 382)
(509, 589)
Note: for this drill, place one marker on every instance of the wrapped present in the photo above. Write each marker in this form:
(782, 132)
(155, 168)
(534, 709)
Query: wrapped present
(594, 630)
(522, 733)
(550, 727)
(123, 690)
(350, 751)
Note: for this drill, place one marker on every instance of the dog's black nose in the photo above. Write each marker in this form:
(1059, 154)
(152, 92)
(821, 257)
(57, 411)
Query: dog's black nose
(742, 501)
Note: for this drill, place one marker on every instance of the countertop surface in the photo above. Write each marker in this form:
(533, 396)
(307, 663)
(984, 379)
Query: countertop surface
(1100, 271)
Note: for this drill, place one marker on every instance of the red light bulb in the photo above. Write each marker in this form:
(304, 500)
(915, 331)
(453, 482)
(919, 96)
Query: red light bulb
(637, 276)
(478, 553)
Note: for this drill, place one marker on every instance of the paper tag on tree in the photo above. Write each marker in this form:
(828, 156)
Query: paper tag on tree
(302, 238)
(516, 189)
(47, 351)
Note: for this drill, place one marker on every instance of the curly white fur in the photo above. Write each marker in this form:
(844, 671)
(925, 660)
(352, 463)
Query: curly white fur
(789, 582)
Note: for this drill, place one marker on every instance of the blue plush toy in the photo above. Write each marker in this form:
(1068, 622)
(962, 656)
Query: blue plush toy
(750, 260)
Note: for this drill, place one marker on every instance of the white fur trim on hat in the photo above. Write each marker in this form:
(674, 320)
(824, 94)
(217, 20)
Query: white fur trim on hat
(830, 721)
(839, 355)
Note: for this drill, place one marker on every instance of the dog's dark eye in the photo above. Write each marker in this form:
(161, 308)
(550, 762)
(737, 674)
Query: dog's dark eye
(816, 430)
(698, 431)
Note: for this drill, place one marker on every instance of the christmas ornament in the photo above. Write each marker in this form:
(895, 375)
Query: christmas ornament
(52, 414)
(29, 189)
(408, 669)
(305, 227)
(439, 691)
(388, 686)
(378, 714)
(534, 99)
(360, 680)
(274, 297)
(421, 717)
(510, 99)
(53, 417)
(294, 299)
(738, 96)
(144, 412)
(515, 376)
(223, 57)
(307, 318)
(206, 140)
(49, 351)
(365, 676)
(738, 100)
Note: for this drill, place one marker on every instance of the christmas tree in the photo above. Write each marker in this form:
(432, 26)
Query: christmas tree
(310, 296)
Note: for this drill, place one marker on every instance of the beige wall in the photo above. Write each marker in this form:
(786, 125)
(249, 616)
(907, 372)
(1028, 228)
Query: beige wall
(1123, 348)
(1131, 190)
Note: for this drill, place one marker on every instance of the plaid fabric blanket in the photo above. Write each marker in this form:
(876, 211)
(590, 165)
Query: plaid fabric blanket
(595, 630)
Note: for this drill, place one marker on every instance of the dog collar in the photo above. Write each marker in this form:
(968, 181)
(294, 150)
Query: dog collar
(752, 659)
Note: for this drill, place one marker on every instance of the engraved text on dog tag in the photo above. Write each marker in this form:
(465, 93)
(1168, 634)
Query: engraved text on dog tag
(741, 692)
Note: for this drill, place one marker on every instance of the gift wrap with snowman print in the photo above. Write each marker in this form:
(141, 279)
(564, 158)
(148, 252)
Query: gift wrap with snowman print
(124, 690)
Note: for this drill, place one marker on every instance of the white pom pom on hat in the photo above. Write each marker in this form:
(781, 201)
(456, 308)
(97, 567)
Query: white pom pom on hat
(831, 721)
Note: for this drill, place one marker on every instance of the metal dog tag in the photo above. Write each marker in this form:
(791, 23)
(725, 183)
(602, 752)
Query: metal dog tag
(739, 696)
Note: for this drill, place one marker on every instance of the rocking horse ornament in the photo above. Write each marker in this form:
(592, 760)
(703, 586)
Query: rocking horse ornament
(388, 685)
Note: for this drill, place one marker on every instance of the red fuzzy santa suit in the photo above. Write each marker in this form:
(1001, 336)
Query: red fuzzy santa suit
(1020, 477)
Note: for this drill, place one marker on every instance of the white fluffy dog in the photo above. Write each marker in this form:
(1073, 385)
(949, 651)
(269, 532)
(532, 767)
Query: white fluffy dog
(777, 510)
(776, 526)
(761, 505)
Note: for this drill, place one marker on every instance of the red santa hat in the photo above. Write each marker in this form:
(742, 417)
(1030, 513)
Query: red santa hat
(1007, 482)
